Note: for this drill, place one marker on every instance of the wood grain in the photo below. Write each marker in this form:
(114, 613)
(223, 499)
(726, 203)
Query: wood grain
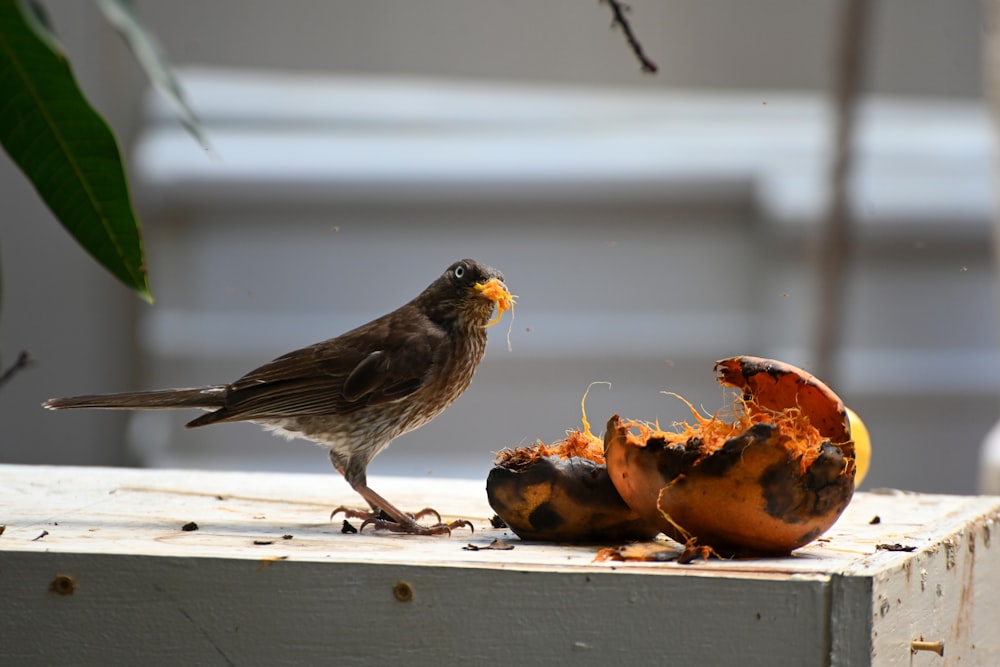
(236, 591)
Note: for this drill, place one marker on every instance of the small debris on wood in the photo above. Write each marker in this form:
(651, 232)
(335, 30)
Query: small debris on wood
(41, 535)
(693, 551)
(875, 520)
(3, 527)
(497, 522)
(894, 547)
(347, 528)
(649, 552)
(657, 551)
(495, 545)
(189, 526)
(286, 537)
(263, 543)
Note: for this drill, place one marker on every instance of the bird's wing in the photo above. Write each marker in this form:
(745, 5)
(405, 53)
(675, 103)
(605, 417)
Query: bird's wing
(337, 376)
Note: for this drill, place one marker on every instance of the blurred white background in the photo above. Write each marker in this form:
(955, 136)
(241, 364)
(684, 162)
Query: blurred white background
(650, 224)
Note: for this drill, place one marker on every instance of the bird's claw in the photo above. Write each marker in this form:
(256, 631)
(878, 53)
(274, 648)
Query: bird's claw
(381, 521)
(349, 513)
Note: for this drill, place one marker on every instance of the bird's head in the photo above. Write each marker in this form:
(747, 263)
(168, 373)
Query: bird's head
(474, 290)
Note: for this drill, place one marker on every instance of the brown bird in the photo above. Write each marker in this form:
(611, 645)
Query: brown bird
(354, 393)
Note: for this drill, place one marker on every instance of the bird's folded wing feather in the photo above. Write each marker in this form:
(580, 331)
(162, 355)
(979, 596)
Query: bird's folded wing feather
(333, 378)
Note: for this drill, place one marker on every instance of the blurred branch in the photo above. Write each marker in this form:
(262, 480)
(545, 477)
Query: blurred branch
(23, 361)
(835, 236)
(618, 11)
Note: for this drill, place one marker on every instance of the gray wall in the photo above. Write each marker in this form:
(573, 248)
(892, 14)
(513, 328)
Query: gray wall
(77, 321)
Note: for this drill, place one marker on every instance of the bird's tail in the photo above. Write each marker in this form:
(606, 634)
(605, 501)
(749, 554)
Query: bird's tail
(162, 399)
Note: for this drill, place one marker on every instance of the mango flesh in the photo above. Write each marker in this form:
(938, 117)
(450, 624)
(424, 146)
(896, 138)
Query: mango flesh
(862, 445)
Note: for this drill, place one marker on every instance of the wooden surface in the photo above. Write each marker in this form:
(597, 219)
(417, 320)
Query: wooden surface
(238, 591)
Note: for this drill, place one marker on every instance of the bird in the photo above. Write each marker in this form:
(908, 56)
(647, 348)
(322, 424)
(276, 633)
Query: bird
(355, 393)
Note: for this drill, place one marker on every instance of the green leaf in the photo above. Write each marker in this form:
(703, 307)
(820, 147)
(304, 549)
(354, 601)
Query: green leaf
(64, 147)
(122, 17)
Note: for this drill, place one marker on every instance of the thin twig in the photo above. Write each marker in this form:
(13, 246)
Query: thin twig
(618, 11)
(835, 237)
(23, 361)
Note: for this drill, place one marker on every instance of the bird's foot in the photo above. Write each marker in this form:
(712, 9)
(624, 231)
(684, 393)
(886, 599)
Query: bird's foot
(382, 521)
(369, 515)
(414, 528)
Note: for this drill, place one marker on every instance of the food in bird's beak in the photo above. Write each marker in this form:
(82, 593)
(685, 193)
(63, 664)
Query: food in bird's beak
(494, 290)
(771, 478)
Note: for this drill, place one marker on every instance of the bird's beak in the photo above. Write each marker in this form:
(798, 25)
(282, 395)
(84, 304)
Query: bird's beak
(495, 290)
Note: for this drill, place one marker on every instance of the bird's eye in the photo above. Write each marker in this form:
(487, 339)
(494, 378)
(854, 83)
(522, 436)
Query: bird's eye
(460, 271)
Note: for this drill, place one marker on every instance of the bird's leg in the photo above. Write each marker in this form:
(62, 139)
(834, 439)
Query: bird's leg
(386, 516)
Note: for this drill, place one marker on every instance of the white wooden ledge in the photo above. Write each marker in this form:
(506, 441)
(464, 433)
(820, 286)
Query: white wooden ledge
(96, 569)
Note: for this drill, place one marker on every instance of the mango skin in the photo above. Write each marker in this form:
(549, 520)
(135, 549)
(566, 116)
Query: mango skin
(749, 497)
(563, 500)
(778, 385)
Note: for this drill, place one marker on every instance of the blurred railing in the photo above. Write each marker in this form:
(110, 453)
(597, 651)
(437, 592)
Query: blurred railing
(647, 235)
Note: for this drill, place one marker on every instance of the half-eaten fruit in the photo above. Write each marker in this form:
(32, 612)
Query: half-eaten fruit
(772, 477)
